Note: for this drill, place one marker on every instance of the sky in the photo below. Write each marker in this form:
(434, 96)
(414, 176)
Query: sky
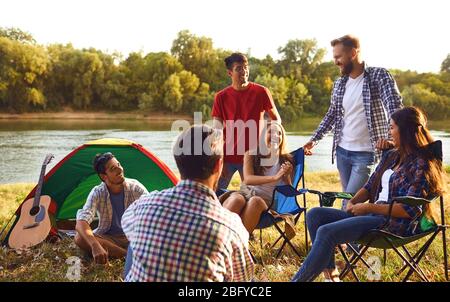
(403, 34)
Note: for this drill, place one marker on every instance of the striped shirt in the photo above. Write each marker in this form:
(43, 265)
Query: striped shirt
(380, 96)
(184, 234)
(99, 202)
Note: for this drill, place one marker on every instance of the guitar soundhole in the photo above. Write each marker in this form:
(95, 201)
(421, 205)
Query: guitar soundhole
(34, 211)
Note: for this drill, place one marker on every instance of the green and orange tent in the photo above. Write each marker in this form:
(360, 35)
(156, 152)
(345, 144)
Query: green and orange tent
(69, 182)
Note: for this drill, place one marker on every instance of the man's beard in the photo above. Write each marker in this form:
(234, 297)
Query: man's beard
(347, 69)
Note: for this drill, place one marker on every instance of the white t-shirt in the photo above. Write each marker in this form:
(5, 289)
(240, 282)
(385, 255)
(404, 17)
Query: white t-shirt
(355, 132)
(384, 194)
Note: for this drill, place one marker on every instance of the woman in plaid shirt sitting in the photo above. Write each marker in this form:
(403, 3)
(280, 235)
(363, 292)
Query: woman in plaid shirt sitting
(407, 170)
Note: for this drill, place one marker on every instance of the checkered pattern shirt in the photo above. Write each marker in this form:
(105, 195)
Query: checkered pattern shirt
(408, 180)
(184, 234)
(379, 90)
(99, 202)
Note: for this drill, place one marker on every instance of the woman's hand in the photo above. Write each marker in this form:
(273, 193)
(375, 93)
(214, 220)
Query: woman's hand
(359, 209)
(283, 171)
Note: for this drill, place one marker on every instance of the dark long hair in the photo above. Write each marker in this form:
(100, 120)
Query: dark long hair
(414, 139)
(283, 154)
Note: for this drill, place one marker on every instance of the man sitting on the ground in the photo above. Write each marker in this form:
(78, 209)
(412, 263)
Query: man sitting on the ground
(109, 199)
(183, 233)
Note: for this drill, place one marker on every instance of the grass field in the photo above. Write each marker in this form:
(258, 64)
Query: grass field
(47, 262)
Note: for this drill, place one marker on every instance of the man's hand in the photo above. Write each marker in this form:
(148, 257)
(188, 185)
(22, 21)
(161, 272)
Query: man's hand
(359, 209)
(308, 146)
(99, 253)
(384, 144)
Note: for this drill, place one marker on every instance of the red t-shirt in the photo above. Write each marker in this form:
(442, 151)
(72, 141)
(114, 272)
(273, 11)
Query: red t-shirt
(247, 105)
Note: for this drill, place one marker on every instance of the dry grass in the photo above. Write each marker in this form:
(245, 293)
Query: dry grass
(47, 262)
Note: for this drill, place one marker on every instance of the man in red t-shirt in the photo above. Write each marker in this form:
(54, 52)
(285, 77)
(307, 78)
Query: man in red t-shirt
(239, 110)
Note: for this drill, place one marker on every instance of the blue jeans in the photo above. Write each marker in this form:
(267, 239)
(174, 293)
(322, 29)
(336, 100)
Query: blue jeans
(354, 169)
(128, 261)
(329, 227)
(227, 173)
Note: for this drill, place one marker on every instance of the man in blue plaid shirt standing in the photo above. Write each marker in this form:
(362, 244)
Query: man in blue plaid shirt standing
(362, 101)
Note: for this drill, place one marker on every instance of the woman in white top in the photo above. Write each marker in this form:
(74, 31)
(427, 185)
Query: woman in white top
(264, 169)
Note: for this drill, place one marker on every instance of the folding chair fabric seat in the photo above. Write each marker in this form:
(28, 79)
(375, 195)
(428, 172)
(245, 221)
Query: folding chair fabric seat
(377, 239)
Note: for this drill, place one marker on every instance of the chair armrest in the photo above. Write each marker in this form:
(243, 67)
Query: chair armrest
(408, 200)
(289, 191)
(327, 198)
(413, 201)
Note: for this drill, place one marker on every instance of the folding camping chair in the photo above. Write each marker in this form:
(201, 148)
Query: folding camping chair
(284, 202)
(382, 239)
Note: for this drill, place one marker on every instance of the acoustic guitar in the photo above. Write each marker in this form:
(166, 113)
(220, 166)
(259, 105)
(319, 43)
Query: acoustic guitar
(34, 222)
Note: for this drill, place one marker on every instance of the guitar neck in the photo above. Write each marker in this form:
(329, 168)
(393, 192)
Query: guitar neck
(37, 195)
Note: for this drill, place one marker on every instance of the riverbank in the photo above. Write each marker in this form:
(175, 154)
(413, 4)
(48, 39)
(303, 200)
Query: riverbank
(95, 115)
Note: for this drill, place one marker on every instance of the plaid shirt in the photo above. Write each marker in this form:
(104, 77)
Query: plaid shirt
(379, 90)
(184, 234)
(98, 202)
(408, 180)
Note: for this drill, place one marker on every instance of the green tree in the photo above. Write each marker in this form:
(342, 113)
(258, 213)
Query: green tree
(436, 106)
(277, 86)
(172, 93)
(445, 66)
(198, 56)
(299, 58)
(74, 76)
(22, 71)
(17, 34)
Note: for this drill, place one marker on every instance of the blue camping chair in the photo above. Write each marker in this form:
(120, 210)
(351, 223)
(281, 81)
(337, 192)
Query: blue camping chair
(284, 201)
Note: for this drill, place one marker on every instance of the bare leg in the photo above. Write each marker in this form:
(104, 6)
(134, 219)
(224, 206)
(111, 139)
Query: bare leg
(252, 212)
(114, 251)
(235, 203)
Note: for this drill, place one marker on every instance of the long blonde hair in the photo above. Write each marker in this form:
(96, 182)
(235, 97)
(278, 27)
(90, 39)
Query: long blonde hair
(283, 153)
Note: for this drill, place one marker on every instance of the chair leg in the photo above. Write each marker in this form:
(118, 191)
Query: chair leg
(444, 247)
(357, 256)
(348, 263)
(260, 239)
(355, 253)
(286, 240)
(417, 256)
(411, 266)
(384, 257)
(306, 235)
(415, 263)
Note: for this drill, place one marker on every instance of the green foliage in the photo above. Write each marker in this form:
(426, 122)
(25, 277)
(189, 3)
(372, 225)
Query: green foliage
(445, 67)
(17, 34)
(435, 105)
(22, 71)
(34, 78)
